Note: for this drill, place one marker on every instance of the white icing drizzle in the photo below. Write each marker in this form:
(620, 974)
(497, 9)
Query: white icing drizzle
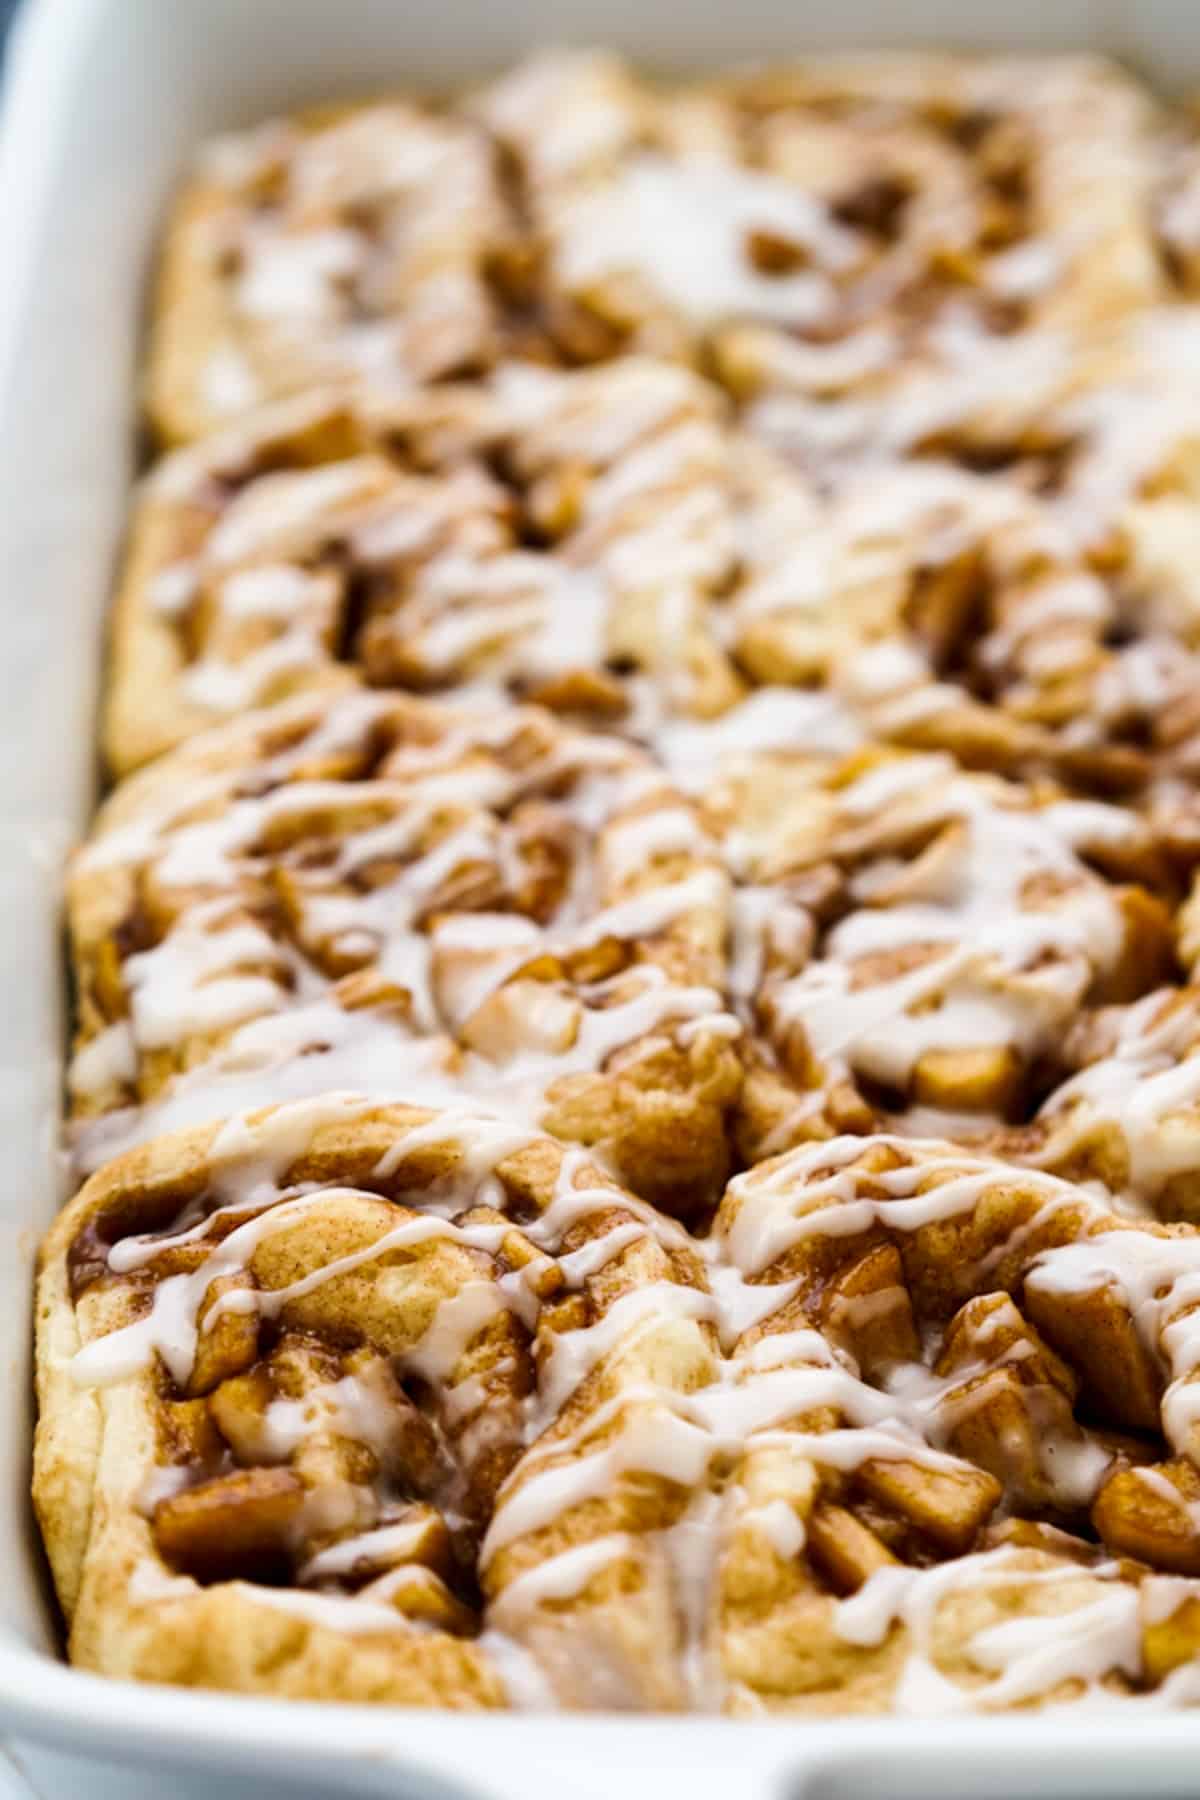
(1025, 1657)
(685, 228)
(1008, 926)
(1150, 1077)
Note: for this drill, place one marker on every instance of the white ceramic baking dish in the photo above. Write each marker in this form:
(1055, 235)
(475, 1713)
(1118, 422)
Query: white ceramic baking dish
(105, 97)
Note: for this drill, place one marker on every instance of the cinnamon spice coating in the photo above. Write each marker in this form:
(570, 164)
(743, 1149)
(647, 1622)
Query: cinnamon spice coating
(635, 1068)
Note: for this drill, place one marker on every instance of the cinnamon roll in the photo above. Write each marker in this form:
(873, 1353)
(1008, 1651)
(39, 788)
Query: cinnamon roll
(352, 242)
(380, 892)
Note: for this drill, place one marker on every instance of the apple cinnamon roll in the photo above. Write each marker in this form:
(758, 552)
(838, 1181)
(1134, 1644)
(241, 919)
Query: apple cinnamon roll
(1019, 1328)
(380, 893)
(562, 538)
(912, 936)
(285, 1364)
(1034, 608)
(353, 242)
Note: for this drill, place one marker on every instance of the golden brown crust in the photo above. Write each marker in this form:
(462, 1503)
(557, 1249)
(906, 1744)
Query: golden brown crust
(186, 318)
(67, 1444)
